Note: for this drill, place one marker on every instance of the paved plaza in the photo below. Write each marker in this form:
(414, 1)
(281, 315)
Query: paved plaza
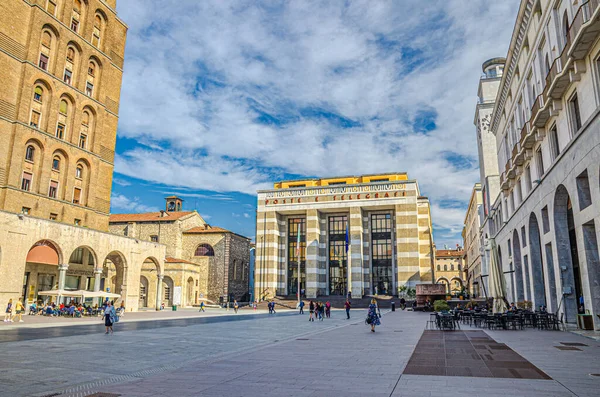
(285, 355)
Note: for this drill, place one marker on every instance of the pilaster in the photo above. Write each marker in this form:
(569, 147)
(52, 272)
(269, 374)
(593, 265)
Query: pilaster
(314, 263)
(355, 257)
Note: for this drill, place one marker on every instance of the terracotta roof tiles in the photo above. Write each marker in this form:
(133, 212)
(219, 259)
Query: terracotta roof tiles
(169, 259)
(149, 217)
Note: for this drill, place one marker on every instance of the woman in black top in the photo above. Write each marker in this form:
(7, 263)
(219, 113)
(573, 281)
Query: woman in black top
(311, 309)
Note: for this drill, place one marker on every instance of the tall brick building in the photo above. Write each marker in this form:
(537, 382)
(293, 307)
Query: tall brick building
(61, 65)
(384, 219)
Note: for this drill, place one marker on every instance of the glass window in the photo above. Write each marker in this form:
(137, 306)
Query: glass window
(74, 25)
(43, 62)
(78, 171)
(382, 253)
(338, 256)
(37, 94)
(89, 89)
(60, 131)
(29, 152)
(51, 7)
(575, 114)
(82, 140)
(26, 181)
(56, 163)
(554, 145)
(77, 222)
(35, 119)
(91, 69)
(76, 195)
(67, 76)
(540, 162)
(25, 210)
(154, 238)
(53, 189)
(53, 216)
(63, 106)
(296, 226)
(204, 250)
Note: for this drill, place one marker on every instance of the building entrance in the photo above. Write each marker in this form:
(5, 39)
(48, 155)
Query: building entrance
(338, 255)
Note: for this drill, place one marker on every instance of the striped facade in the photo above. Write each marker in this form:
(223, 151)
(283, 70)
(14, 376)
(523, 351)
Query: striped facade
(389, 233)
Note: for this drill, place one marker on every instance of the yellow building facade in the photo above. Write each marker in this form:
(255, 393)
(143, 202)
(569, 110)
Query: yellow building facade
(61, 65)
(367, 235)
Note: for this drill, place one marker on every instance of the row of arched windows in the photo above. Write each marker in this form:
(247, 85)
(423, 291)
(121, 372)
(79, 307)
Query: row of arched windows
(439, 267)
(89, 79)
(61, 185)
(41, 100)
(76, 18)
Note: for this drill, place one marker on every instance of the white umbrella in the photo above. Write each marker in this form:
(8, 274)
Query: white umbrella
(496, 281)
(60, 292)
(99, 294)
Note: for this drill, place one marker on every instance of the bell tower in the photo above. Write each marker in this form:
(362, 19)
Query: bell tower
(173, 204)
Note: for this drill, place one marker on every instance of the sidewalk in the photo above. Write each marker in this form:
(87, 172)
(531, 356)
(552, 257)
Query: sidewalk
(148, 315)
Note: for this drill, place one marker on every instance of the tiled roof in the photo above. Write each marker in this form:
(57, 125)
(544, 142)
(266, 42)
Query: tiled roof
(148, 217)
(169, 259)
(452, 253)
(210, 229)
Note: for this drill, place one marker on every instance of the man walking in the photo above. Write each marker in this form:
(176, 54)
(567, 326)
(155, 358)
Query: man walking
(201, 307)
(347, 306)
(301, 307)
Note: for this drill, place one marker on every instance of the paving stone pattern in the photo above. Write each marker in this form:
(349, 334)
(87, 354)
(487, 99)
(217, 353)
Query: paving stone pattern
(282, 356)
(471, 354)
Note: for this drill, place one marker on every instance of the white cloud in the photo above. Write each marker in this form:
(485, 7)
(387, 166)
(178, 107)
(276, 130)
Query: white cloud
(199, 75)
(246, 215)
(124, 203)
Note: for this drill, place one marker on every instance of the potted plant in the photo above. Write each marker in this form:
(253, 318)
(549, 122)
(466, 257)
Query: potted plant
(441, 306)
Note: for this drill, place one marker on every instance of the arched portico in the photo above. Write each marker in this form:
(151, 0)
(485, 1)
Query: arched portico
(444, 280)
(537, 266)
(518, 270)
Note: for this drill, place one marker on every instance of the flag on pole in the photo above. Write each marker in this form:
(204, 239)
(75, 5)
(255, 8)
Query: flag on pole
(298, 243)
(347, 238)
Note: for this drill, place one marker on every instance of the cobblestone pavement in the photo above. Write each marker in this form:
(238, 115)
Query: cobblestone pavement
(281, 355)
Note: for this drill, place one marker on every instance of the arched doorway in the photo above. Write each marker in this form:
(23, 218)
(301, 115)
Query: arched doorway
(190, 292)
(456, 285)
(443, 280)
(143, 300)
(566, 248)
(44, 271)
(115, 267)
(537, 266)
(519, 290)
(150, 272)
(167, 297)
(80, 274)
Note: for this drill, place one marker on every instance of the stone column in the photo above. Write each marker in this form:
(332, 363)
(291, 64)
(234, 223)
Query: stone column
(97, 279)
(313, 234)
(355, 262)
(159, 291)
(62, 274)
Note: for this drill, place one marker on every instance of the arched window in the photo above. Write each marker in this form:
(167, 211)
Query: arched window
(29, 153)
(451, 267)
(79, 172)
(69, 66)
(38, 94)
(445, 267)
(86, 128)
(70, 54)
(76, 16)
(204, 250)
(85, 118)
(92, 69)
(97, 31)
(565, 28)
(56, 163)
(92, 75)
(64, 106)
(45, 50)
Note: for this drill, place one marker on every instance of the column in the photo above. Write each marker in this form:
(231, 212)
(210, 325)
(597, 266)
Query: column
(62, 274)
(97, 279)
(355, 257)
(313, 265)
(159, 291)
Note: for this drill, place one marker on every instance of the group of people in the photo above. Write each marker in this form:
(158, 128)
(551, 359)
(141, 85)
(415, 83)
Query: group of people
(317, 310)
(13, 312)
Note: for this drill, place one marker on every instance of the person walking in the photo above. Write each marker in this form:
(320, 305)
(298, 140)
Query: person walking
(311, 311)
(328, 309)
(110, 317)
(347, 307)
(321, 311)
(201, 307)
(372, 316)
(8, 312)
(235, 306)
(301, 307)
(19, 310)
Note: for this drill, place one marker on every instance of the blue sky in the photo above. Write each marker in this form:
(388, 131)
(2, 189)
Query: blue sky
(221, 98)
